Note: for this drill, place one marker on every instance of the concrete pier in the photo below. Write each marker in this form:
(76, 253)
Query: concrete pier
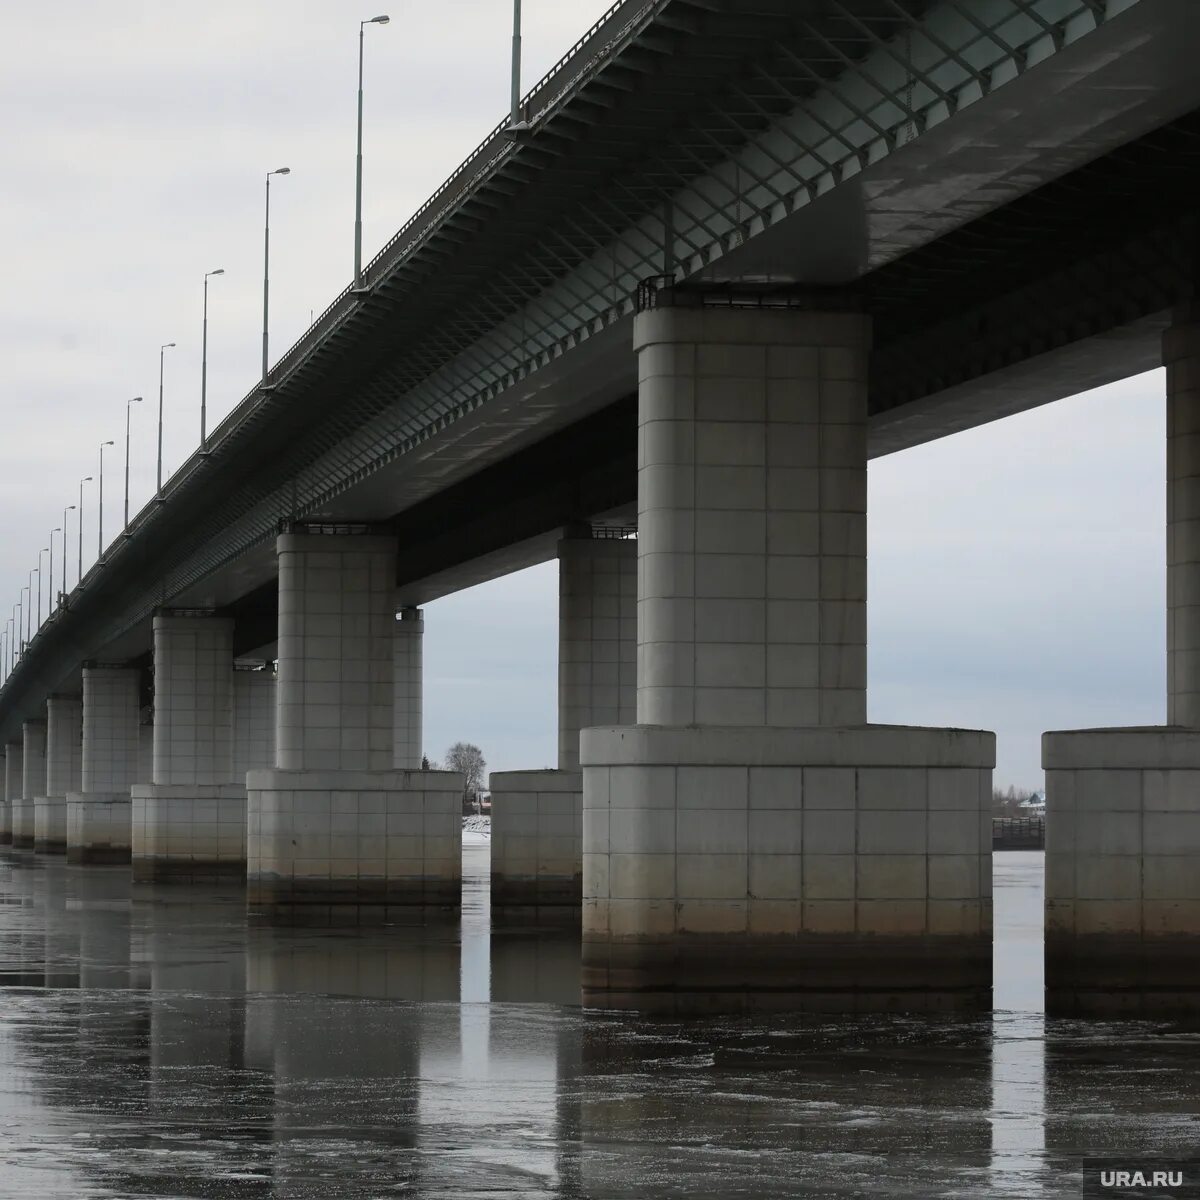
(407, 684)
(14, 753)
(99, 813)
(1123, 805)
(537, 816)
(338, 830)
(33, 783)
(189, 824)
(64, 751)
(751, 841)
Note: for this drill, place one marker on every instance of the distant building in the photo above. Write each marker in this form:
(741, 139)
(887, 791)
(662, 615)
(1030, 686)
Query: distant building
(1035, 806)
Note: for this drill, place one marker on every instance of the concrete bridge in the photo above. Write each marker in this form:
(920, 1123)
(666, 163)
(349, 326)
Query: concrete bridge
(739, 249)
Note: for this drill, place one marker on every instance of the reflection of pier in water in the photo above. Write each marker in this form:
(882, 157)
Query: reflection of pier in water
(181, 1050)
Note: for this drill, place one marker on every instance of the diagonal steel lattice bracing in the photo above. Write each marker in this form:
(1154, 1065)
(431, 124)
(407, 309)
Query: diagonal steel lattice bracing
(674, 133)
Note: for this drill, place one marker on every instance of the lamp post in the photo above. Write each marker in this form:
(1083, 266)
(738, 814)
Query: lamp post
(514, 119)
(38, 622)
(85, 479)
(69, 508)
(161, 351)
(267, 262)
(50, 566)
(29, 605)
(21, 611)
(204, 364)
(100, 508)
(128, 407)
(381, 20)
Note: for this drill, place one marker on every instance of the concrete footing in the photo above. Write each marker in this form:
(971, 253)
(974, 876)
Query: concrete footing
(1122, 871)
(346, 846)
(98, 827)
(50, 824)
(839, 869)
(22, 823)
(537, 839)
(188, 832)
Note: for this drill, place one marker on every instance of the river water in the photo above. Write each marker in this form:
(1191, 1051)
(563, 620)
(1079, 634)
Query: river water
(155, 1043)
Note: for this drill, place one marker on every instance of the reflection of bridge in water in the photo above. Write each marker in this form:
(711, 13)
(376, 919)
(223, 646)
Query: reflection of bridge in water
(178, 1048)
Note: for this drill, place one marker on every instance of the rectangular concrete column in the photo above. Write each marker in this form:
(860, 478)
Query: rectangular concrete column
(99, 813)
(336, 619)
(1181, 357)
(336, 831)
(189, 824)
(751, 841)
(1123, 805)
(407, 684)
(33, 782)
(537, 816)
(14, 754)
(64, 752)
(752, 528)
(597, 638)
(253, 721)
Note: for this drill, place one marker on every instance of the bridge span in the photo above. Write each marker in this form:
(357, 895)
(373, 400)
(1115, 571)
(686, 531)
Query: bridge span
(737, 248)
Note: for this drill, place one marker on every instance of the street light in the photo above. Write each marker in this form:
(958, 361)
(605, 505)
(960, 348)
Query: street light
(69, 508)
(29, 606)
(43, 550)
(50, 579)
(100, 506)
(161, 351)
(204, 363)
(23, 610)
(267, 261)
(128, 406)
(381, 20)
(515, 123)
(85, 479)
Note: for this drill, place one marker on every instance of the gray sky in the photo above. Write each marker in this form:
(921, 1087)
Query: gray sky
(1017, 571)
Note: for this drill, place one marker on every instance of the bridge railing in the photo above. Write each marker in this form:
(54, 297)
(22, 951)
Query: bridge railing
(425, 216)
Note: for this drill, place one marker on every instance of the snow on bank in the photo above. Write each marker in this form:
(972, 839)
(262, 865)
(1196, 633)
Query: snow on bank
(477, 831)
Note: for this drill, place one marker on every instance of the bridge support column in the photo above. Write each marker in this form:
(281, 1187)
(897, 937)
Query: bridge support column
(33, 783)
(751, 841)
(407, 690)
(338, 830)
(537, 816)
(64, 751)
(189, 824)
(99, 812)
(1123, 805)
(13, 778)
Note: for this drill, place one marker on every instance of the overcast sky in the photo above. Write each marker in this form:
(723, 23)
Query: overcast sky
(1017, 571)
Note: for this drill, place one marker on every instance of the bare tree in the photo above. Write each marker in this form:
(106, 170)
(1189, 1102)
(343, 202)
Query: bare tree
(467, 758)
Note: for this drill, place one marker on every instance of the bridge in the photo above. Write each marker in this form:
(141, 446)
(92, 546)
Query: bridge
(733, 250)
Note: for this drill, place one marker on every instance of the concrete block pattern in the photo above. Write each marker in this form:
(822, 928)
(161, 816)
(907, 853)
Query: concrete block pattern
(193, 700)
(537, 838)
(99, 827)
(350, 845)
(64, 744)
(407, 693)
(337, 621)
(597, 638)
(253, 721)
(1122, 871)
(190, 833)
(815, 873)
(33, 783)
(14, 779)
(1181, 357)
(112, 733)
(752, 518)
